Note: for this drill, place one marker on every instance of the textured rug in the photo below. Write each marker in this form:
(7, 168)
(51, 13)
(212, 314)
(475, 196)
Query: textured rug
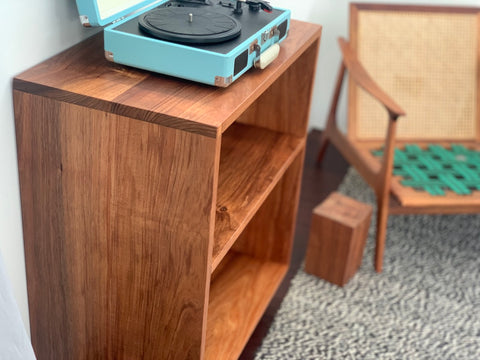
(424, 305)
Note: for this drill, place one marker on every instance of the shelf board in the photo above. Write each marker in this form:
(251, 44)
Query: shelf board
(252, 162)
(240, 292)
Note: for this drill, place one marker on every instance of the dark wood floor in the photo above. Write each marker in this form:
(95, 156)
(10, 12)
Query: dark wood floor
(318, 181)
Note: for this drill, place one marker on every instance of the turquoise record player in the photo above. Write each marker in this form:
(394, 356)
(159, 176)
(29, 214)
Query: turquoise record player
(208, 41)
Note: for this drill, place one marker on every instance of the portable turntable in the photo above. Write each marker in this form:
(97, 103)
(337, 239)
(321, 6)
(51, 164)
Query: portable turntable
(208, 41)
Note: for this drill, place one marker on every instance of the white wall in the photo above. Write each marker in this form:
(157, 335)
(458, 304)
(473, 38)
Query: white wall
(33, 30)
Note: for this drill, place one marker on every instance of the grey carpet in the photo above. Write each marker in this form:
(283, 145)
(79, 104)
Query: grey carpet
(424, 305)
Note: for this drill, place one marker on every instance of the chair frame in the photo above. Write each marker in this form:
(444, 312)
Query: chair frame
(378, 173)
(380, 176)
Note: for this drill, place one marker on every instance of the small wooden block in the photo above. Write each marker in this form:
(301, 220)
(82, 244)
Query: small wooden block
(337, 238)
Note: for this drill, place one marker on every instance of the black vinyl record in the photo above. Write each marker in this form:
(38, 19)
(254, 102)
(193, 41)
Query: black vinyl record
(189, 25)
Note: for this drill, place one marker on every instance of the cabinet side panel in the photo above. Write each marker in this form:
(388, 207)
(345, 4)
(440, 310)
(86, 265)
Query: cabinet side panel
(39, 164)
(269, 236)
(285, 106)
(160, 240)
(133, 225)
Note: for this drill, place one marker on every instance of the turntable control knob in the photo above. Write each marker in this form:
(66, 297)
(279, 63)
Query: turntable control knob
(258, 4)
(254, 6)
(238, 8)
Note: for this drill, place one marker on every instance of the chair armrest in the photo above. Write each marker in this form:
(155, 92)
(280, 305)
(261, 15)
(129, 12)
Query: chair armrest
(365, 81)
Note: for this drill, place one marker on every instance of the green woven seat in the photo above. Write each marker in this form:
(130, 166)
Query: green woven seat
(437, 169)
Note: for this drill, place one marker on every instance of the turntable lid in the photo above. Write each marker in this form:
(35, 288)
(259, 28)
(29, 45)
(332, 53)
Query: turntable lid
(102, 12)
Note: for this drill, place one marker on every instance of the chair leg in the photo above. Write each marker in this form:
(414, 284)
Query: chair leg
(382, 219)
(324, 141)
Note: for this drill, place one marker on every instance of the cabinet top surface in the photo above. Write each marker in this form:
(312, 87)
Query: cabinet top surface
(81, 75)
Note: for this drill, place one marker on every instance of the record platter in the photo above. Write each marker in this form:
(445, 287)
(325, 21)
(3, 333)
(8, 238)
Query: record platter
(208, 41)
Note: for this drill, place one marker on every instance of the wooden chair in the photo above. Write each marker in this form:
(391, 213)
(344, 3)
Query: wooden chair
(427, 59)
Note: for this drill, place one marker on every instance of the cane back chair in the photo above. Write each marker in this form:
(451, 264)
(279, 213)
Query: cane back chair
(425, 58)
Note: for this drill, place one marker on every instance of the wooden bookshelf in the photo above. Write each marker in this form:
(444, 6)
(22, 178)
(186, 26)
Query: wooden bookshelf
(158, 213)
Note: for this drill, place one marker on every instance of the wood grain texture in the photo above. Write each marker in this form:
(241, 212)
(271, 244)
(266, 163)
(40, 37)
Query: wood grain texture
(269, 234)
(241, 290)
(129, 180)
(42, 216)
(383, 189)
(352, 90)
(253, 160)
(82, 76)
(109, 197)
(337, 238)
(292, 112)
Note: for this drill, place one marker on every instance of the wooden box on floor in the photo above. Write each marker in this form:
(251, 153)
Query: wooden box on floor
(337, 238)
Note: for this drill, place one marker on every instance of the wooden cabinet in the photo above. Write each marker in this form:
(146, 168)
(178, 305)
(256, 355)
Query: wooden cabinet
(158, 213)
